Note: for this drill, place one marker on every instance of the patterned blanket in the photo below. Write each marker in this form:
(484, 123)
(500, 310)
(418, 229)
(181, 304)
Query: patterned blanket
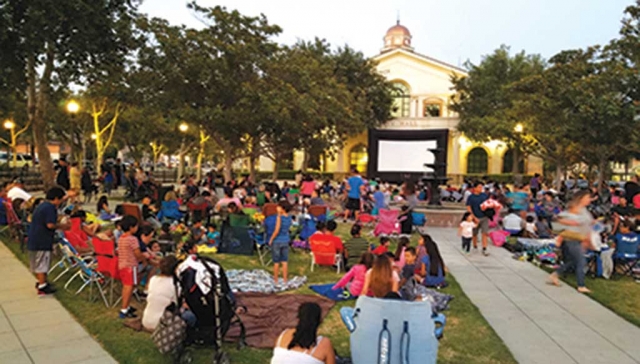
(261, 281)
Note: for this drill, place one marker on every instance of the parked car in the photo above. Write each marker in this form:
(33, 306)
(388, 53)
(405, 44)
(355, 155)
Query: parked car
(21, 160)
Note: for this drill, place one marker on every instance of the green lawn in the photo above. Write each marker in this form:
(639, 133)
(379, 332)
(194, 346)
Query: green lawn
(468, 337)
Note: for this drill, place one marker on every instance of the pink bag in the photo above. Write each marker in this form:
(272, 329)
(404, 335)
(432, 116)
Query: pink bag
(498, 237)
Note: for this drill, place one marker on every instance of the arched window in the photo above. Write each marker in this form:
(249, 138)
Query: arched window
(401, 100)
(432, 109)
(359, 158)
(507, 162)
(477, 161)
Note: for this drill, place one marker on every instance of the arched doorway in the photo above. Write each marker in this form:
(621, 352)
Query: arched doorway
(507, 162)
(401, 100)
(359, 158)
(477, 161)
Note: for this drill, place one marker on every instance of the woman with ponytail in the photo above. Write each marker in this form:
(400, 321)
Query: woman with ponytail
(302, 345)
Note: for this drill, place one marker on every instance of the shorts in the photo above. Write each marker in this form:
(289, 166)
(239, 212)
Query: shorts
(129, 276)
(40, 261)
(483, 226)
(280, 252)
(353, 204)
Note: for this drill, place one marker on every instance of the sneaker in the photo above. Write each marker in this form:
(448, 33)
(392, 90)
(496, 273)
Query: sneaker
(128, 314)
(132, 309)
(46, 290)
(485, 252)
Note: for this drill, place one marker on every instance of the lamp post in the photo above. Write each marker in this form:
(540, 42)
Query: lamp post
(518, 129)
(183, 129)
(11, 126)
(73, 108)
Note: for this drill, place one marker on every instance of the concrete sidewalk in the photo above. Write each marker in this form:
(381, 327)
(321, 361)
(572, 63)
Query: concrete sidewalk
(38, 329)
(538, 322)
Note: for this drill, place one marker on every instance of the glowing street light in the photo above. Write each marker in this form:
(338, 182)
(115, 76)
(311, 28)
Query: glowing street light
(9, 125)
(94, 136)
(73, 107)
(183, 127)
(519, 128)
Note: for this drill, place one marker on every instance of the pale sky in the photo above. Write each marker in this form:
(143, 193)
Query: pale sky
(449, 30)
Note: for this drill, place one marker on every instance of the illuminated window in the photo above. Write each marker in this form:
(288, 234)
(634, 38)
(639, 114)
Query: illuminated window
(401, 100)
(359, 158)
(432, 109)
(477, 161)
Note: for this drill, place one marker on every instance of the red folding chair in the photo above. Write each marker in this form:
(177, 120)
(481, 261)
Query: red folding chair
(76, 236)
(107, 263)
(323, 252)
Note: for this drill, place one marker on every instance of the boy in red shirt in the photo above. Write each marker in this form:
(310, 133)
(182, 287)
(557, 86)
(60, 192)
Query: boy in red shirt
(337, 242)
(129, 256)
(383, 247)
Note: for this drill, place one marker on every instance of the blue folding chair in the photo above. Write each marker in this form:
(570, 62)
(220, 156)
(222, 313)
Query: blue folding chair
(626, 255)
(262, 248)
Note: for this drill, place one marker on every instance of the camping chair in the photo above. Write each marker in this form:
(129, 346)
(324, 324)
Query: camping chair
(269, 209)
(198, 211)
(262, 248)
(625, 257)
(323, 252)
(75, 235)
(14, 225)
(239, 220)
(387, 223)
(89, 277)
(107, 263)
(70, 259)
(318, 212)
(132, 209)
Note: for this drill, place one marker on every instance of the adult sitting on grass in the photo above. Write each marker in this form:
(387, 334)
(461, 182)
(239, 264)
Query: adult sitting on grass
(356, 246)
(302, 345)
(162, 293)
(170, 208)
(41, 232)
(279, 239)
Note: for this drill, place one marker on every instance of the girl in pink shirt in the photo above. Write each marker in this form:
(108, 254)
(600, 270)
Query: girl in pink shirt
(354, 279)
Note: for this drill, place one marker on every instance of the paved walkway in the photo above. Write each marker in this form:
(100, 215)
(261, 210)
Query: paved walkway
(38, 329)
(539, 323)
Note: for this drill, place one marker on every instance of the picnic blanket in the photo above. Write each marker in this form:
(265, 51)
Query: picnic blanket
(269, 314)
(332, 294)
(535, 244)
(261, 281)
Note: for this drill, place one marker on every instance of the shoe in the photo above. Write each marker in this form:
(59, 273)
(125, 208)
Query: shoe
(132, 309)
(128, 314)
(46, 290)
(485, 252)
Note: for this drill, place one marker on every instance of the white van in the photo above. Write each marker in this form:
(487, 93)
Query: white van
(21, 160)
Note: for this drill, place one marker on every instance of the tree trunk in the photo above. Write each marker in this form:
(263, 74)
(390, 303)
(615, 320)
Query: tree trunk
(558, 181)
(252, 167)
(199, 161)
(602, 165)
(305, 160)
(514, 163)
(35, 108)
(228, 167)
(274, 174)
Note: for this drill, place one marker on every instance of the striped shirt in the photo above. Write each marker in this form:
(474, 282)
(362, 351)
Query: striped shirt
(355, 247)
(127, 244)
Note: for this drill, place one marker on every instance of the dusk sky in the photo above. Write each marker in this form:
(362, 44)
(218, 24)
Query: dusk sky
(450, 30)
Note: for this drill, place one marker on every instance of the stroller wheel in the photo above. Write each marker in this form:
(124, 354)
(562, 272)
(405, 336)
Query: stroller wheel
(221, 358)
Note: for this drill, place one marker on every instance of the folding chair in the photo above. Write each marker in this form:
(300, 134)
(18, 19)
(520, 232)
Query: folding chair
(70, 259)
(269, 209)
(626, 256)
(107, 263)
(323, 252)
(262, 248)
(89, 277)
(132, 209)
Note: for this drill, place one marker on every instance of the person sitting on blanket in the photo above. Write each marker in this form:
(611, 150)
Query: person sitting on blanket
(302, 345)
(381, 280)
(513, 223)
(355, 247)
(543, 228)
(410, 265)
(170, 208)
(398, 257)
(354, 279)
(432, 269)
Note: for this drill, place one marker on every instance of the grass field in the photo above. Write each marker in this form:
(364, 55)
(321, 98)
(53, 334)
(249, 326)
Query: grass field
(468, 337)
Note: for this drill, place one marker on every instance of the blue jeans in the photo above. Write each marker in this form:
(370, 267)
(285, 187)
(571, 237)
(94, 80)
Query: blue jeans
(280, 252)
(573, 258)
(190, 318)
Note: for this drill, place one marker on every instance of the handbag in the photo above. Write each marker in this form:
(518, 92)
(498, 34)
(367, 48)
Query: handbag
(171, 331)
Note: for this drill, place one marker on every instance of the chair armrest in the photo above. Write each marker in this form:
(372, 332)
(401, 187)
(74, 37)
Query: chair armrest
(346, 313)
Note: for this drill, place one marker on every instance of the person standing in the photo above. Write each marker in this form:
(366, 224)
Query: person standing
(474, 206)
(534, 185)
(117, 170)
(279, 240)
(75, 177)
(62, 179)
(354, 187)
(41, 236)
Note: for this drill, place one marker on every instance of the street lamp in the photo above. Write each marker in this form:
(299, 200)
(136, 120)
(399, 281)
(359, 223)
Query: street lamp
(94, 136)
(73, 107)
(519, 128)
(11, 126)
(183, 127)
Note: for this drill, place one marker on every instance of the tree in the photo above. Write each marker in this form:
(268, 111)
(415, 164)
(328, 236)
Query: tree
(484, 101)
(62, 41)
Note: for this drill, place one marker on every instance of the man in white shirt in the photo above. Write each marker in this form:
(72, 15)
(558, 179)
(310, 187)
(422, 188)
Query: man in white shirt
(512, 223)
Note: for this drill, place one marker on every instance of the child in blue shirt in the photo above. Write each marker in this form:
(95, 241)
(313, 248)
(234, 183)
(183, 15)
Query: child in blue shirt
(213, 236)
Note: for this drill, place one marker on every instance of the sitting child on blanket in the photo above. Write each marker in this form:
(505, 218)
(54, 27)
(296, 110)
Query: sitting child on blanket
(354, 279)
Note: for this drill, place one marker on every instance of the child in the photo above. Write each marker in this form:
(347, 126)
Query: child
(399, 257)
(408, 271)
(128, 257)
(103, 209)
(149, 212)
(165, 232)
(198, 232)
(213, 236)
(117, 232)
(530, 227)
(465, 231)
(383, 247)
(155, 251)
(626, 237)
(543, 228)
(354, 279)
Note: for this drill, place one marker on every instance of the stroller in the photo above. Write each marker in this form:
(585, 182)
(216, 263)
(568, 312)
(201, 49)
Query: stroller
(204, 286)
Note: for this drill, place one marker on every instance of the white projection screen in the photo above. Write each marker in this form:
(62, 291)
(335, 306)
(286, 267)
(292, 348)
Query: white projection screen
(405, 155)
